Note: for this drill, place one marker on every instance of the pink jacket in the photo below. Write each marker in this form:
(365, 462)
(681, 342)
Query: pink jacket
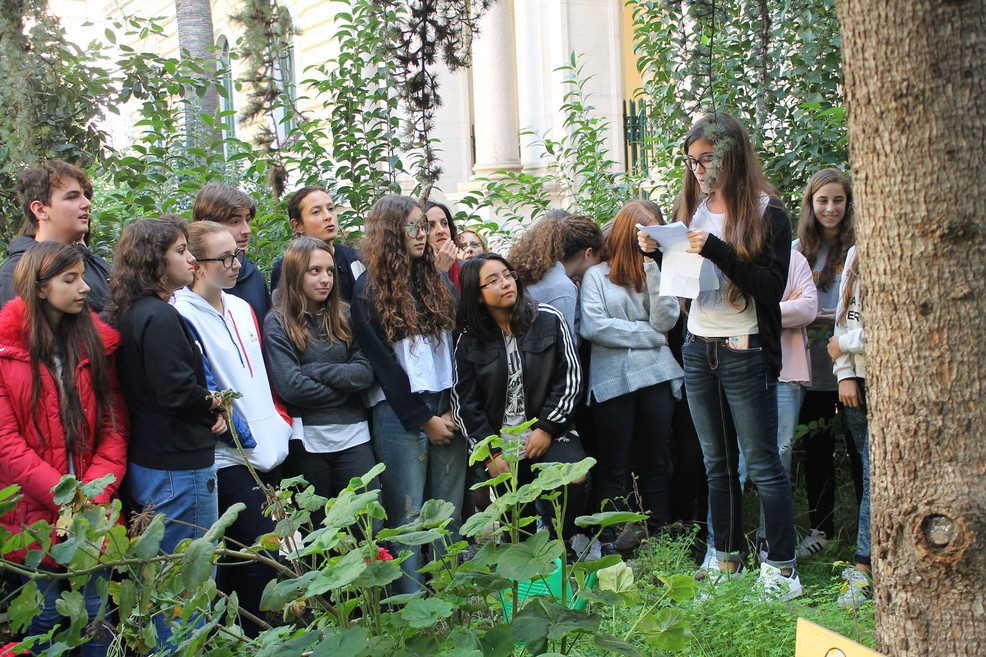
(795, 316)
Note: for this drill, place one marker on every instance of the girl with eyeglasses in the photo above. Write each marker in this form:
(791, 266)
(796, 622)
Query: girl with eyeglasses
(229, 335)
(515, 361)
(826, 231)
(634, 379)
(319, 371)
(404, 314)
(61, 411)
(732, 354)
(471, 244)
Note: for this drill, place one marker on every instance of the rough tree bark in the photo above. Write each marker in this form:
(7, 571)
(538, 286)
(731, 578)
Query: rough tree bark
(915, 80)
(195, 35)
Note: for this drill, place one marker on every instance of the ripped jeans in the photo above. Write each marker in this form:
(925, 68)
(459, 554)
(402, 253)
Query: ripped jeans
(416, 471)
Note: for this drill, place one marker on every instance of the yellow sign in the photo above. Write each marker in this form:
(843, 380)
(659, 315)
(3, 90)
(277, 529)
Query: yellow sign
(816, 641)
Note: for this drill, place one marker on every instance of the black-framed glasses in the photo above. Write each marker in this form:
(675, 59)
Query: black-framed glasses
(500, 279)
(411, 228)
(705, 160)
(239, 255)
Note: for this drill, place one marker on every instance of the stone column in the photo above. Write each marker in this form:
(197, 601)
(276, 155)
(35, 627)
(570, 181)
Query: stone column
(494, 83)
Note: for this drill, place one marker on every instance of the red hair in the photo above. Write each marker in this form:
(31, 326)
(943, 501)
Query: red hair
(626, 262)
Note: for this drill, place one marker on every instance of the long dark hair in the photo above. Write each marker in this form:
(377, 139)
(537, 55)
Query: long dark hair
(473, 318)
(73, 340)
(810, 230)
(452, 230)
(291, 305)
(139, 265)
(406, 305)
(737, 170)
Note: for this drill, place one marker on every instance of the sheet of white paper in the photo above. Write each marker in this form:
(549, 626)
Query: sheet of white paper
(672, 237)
(682, 274)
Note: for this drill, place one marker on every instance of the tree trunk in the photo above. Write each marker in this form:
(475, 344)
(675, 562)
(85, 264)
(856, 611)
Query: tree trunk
(915, 80)
(195, 36)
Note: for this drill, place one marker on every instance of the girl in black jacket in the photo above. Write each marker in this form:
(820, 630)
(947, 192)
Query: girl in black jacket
(515, 361)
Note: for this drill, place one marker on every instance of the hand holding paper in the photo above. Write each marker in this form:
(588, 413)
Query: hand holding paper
(683, 274)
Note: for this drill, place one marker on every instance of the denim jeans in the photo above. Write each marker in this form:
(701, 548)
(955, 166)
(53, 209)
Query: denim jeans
(856, 419)
(51, 590)
(734, 407)
(189, 501)
(248, 580)
(416, 471)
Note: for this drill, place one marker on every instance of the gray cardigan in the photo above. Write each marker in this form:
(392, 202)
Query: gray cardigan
(628, 333)
(321, 385)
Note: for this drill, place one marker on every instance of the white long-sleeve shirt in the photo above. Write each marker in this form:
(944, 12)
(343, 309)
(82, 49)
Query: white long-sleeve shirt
(852, 363)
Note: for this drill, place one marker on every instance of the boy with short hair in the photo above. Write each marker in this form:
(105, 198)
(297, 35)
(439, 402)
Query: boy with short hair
(235, 210)
(56, 199)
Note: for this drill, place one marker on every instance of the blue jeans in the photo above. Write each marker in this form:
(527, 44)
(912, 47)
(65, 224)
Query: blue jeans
(49, 617)
(734, 407)
(189, 501)
(416, 471)
(856, 419)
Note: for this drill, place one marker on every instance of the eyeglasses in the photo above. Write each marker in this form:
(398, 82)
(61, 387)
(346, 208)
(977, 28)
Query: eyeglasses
(705, 160)
(411, 228)
(500, 279)
(227, 260)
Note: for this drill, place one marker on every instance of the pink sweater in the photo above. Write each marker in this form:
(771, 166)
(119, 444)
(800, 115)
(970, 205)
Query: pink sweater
(795, 316)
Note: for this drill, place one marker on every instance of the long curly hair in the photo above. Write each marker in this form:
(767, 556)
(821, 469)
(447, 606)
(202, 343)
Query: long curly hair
(410, 296)
(291, 305)
(740, 182)
(139, 265)
(810, 230)
(75, 338)
(473, 317)
(626, 262)
(538, 249)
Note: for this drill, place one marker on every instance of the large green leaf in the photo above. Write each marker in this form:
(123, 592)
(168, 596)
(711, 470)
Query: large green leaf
(498, 642)
(556, 475)
(150, 540)
(609, 518)
(25, 606)
(425, 612)
(196, 563)
(348, 643)
(341, 573)
(666, 630)
(225, 521)
(533, 558)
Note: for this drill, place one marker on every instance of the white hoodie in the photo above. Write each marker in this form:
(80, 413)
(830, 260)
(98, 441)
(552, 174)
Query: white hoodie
(852, 363)
(232, 342)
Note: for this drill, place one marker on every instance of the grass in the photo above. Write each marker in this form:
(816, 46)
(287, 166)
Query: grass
(734, 623)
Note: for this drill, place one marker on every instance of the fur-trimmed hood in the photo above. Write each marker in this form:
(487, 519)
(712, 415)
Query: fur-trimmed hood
(14, 331)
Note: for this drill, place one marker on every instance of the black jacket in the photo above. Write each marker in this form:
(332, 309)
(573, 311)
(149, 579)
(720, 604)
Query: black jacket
(252, 288)
(97, 274)
(763, 280)
(552, 378)
(163, 381)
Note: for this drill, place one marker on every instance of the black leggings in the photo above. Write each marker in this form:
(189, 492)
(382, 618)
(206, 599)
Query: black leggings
(633, 431)
(819, 461)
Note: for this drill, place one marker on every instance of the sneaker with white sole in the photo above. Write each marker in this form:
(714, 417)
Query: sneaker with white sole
(812, 545)
(856, 590)
(709, 564)
(776, 586)
(595, 552)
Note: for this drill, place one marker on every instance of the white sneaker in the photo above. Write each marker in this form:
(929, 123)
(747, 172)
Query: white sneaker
(856, 589)
(709, 564)
(595, 551)
(812, 545)
(776, 586)
(580, 542)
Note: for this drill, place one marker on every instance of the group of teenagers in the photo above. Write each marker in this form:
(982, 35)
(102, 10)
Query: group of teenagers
(420, 343)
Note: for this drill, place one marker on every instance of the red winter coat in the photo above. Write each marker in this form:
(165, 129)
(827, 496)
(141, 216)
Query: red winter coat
(37, 465)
